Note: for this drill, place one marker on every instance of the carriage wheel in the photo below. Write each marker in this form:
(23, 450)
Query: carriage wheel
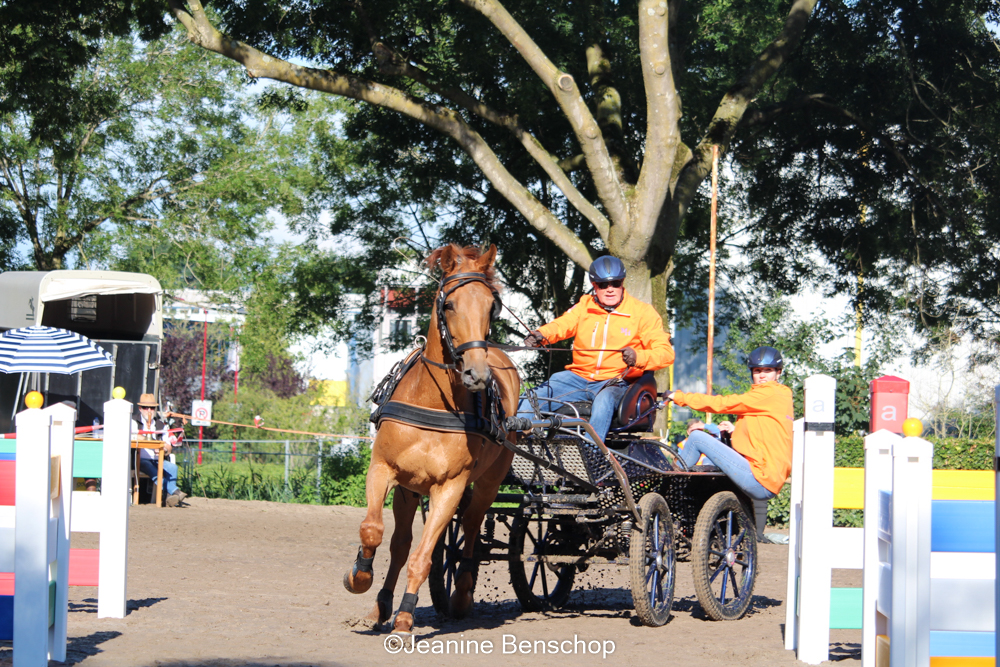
(540, 586)
(444, 563)
(724, 557)
(651, 560)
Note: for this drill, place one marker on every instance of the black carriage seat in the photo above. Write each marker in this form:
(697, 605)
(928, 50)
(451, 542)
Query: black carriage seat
(640, 396)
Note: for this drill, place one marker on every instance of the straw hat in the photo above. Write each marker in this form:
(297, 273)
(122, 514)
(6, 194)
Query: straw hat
(148, 401)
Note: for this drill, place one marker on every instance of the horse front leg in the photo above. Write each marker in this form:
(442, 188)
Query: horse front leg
(404, 507)
(377, 485)
(444, 502)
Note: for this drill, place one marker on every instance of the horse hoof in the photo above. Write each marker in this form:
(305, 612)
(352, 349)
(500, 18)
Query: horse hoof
(356, 586)
(402, 625)
(461, 604)
(382, 610)
(375, 615)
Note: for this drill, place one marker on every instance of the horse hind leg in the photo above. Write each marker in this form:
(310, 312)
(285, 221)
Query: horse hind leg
(484, 491)
(377, 485)
(404, 507)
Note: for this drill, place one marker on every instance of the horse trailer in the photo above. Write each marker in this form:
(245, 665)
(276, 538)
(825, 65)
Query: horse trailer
(121, 312)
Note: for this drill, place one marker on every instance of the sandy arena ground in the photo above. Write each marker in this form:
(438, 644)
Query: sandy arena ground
(255, 584)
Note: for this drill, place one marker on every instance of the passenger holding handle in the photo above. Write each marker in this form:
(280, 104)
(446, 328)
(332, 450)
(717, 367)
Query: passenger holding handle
(761, 455)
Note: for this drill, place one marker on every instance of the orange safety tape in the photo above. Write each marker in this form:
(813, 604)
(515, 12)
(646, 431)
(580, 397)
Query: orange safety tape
(276, 430)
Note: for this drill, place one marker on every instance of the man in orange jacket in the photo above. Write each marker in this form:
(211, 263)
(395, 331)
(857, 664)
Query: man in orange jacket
(617, 338)
(761, 455)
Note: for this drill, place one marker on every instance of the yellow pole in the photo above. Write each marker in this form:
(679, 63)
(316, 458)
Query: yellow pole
(670, 406)
(861, 277)
(858, 310)
(857, 324)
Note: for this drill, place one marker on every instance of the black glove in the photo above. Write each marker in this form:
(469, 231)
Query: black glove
(534, 339)
(629, 356)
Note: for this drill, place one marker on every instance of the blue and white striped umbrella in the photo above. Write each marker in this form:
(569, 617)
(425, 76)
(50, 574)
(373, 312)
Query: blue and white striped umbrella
(49, 350)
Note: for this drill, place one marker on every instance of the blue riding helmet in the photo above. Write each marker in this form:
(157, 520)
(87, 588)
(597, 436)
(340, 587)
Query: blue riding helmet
(764, 357)
(606, 268)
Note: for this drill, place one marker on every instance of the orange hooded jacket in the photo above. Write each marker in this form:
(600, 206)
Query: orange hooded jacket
(763, 434)
(632, 324)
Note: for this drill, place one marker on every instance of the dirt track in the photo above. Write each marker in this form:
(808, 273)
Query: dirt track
(226, 583)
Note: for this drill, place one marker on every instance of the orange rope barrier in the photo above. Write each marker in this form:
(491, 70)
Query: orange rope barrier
(276, 430)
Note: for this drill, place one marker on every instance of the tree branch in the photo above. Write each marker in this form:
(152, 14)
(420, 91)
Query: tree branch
(735, 102)
(19, 197)
(77, 155)
(663, 111)
(890, 145)
(567, 95)
(393, 63)
(764, 116)
(260, 65)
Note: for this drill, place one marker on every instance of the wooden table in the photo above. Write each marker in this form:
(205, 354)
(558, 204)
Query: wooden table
(142, 443)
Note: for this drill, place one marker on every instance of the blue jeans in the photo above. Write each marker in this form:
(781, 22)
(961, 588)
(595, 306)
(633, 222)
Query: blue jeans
(568, 386)
(727, 459)
(148, 467)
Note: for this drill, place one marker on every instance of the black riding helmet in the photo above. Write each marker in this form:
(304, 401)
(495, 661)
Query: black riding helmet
(764, 357)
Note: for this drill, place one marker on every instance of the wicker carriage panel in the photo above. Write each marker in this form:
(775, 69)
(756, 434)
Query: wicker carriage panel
(565, 453)
(574, 455)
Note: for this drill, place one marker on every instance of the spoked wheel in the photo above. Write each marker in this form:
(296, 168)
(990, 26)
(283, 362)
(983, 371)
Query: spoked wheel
(444, 563)
(652, 562)
(724, 557)
(540, 585)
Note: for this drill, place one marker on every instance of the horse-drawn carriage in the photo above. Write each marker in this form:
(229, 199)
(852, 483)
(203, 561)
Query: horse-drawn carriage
(619, 502)
(442, 433)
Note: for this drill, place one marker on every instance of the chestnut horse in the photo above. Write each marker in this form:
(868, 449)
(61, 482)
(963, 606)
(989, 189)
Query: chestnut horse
(440, 463)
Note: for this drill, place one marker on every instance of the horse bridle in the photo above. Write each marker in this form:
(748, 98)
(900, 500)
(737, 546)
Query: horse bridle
(456, 352)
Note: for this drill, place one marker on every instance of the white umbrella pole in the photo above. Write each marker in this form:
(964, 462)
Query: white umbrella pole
(17, 396)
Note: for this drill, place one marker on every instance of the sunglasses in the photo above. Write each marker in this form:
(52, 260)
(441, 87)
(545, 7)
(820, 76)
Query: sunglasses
(611, 283)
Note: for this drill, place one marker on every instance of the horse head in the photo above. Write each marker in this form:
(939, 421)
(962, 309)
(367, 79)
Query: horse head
(468, 300)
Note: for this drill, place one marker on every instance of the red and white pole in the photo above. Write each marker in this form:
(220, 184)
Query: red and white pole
(204, 363)
(236, 389)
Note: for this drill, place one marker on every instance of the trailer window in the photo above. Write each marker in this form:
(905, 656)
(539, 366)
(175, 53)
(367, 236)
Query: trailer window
(83, 309)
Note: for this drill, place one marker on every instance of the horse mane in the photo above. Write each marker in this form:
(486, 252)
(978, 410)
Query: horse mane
(467, 254)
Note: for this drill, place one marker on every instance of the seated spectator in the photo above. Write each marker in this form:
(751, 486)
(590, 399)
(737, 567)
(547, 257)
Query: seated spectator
(156, 429)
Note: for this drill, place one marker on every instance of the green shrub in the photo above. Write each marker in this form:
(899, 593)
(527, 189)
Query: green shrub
(342, 479)
(779, 507)
(240, 481)
(849, 451)
(962, 454)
